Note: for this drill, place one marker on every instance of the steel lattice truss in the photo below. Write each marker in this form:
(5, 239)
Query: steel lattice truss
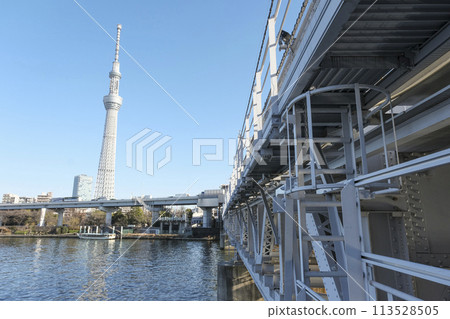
(301, 232)
(337, 188)
(104, 187)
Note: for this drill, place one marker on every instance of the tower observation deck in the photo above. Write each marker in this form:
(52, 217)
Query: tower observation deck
(104, 187)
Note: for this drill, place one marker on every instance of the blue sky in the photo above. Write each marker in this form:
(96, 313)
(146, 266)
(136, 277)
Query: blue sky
(55, 64)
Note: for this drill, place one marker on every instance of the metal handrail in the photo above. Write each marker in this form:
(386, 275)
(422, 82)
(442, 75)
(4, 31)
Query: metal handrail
(435, 274)
(409, 167)
(314, 295)
(394, 292)
(342, 87)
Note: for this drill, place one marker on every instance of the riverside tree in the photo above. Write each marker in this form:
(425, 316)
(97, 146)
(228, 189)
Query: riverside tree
(134, 217)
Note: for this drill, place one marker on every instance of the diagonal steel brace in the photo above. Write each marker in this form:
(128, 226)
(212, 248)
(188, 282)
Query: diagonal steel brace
(269, 216)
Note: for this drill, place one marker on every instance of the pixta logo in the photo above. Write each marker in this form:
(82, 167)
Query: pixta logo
(143, 146)
(212, 149)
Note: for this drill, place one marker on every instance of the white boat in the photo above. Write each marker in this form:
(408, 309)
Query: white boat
(103, 236)
(85, 233)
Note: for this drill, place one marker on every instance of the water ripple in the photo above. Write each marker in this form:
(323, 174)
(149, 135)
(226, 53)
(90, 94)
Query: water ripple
(62, 269)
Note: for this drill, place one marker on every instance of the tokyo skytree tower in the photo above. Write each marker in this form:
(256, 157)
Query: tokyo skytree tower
(104, 187)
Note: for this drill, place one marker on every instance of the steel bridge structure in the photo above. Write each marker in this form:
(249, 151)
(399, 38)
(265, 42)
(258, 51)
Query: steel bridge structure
(340, 186)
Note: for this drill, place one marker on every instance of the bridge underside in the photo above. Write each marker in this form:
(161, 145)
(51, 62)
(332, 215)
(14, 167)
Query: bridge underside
(341, 192)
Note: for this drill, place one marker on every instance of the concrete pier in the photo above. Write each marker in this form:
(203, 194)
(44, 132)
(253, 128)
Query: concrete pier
(155, 216)
(108, 218)
(42, 218)
(60, 212)
(109, 211)
(207, 215)
(234, 283)
(168, 225)
(222, 239)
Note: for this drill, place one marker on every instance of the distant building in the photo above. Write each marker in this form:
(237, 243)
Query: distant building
(10, 199)
(44, 197)
(82, 187)
(125, 209)
(23, 199)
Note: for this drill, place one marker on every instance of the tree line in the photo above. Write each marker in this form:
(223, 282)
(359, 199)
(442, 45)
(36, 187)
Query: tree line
(74, 218)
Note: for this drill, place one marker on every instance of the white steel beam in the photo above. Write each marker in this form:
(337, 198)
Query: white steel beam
(352, 236)
(257, 107)
(273, 58)
(435, 274)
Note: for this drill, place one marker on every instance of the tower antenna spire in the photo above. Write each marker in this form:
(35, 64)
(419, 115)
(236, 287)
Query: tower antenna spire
(104, 187)
(119, 27)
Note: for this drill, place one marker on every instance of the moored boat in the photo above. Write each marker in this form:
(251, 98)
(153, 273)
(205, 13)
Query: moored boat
(85, 233)
(104, 236)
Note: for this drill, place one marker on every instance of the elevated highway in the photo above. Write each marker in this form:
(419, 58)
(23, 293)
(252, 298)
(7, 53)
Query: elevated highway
(206, 201)
(114, 203)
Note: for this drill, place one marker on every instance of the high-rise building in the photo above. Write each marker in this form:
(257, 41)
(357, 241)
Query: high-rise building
(24, 199)
(82, 187)
(10, 199)
(104, 187)
(44, 197)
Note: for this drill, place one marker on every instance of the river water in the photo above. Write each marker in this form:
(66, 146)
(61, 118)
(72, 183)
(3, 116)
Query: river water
(71, 269)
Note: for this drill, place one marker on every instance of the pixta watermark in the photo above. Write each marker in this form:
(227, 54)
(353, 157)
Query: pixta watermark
(142, 148)
(148, 151)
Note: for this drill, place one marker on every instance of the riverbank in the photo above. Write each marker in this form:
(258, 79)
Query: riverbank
(125, 236)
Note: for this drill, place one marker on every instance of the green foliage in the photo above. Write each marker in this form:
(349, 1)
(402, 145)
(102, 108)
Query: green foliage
(61, 230)
(50, 219)
(30, 221)
(75, 219)
(20, 218)
(97, 217)
(165, 213)
(147, 217)
(136, 216)
(189, 214)
(119, 218)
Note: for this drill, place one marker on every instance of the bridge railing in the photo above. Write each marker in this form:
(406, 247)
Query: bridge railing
(293, 222)
(318, 198)
(274, 37)
(429, 273)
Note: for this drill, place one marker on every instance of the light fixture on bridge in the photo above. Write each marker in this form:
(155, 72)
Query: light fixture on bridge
(284, 39)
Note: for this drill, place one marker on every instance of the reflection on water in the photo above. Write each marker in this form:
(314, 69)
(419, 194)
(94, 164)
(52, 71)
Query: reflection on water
(62, 269)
